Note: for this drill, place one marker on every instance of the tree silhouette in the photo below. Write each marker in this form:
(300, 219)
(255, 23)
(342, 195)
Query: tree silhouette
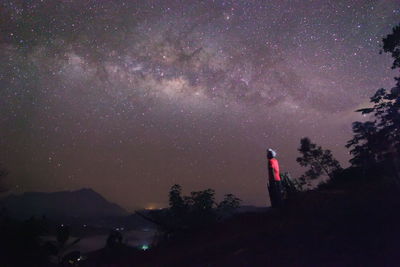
(290, 187)
(176, 201)
(365, 145)
(3, 174)
(201, 201)
(229, 204)
(378, 140)
(186, 213)
(61, 246)
(320, 161)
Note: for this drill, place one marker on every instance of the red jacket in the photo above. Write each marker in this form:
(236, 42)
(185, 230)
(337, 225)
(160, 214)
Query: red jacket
(273, 167)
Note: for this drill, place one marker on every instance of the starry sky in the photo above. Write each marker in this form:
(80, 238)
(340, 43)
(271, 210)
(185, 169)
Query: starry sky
(131, 97)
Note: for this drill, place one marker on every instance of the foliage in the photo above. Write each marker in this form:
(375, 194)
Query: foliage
(391, 44)
(176, 201)
(3, 174)
(193, 211)
(320, 161)
(200, 201)
(352, 178)
(290, 186)
(378, 140)
(61, 246)
(21, 243)
(365, 144)
(229, 204)
(196, 211)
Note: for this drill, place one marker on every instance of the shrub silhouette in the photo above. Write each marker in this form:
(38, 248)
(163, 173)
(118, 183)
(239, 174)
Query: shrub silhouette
(193, 212)
(290, 187)
(320, 161)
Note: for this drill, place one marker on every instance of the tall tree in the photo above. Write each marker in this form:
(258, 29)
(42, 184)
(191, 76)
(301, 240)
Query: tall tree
(176, 202)
(378, 140)
(320, 161)
(3, 174)
(365, 145)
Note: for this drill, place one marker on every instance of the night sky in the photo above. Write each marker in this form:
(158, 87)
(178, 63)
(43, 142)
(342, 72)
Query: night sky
(131, 97)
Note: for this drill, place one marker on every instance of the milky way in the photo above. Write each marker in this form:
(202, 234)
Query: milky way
(130, 97)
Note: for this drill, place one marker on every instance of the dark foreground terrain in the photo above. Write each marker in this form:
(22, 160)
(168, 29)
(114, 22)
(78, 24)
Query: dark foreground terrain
(356, 224)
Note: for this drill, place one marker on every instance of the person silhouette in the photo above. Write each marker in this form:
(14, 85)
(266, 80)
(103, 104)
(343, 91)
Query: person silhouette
(274, 181)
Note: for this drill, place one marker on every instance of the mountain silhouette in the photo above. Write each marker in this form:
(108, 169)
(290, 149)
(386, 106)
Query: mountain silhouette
(83, 203)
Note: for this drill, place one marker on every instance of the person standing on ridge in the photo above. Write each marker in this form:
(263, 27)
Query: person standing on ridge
(274, 184)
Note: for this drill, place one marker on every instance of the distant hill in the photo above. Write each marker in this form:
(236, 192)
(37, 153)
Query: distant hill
(83, 203)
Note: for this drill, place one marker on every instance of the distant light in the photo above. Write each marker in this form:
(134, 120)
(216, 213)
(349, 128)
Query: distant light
(144, 247)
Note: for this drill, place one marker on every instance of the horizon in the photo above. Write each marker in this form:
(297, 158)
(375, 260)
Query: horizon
(149, 206)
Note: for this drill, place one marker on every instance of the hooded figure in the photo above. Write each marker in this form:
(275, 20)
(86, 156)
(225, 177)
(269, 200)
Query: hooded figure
(274, 181)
